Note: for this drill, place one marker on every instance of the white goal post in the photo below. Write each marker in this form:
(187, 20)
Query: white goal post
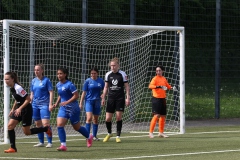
(79, 47)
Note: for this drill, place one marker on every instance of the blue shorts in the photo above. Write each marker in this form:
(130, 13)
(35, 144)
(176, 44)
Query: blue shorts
(70, 112)
(41, 112)
(93, 106)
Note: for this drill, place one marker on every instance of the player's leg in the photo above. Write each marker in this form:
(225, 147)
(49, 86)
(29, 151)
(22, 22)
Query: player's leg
(89, 110)
(12, 137)
(119, 112)
(155, 112)
(75, 121)
(45, 116)
(38, 122)
(110, 109)
(162, 119)
(96, 113)
(62, 119)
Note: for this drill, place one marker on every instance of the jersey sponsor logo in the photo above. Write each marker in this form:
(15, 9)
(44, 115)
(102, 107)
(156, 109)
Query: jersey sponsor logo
(63, 88)
(114, 82)
(99, 84)
(23, 92)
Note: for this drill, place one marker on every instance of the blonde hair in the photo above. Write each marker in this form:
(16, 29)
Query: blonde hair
(41, 66)
(116, 60)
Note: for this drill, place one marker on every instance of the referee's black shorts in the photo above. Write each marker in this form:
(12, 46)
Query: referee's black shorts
(159, 106)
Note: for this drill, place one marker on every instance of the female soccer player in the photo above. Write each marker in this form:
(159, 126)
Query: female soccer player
(69, 109)
(115, 82)
(21, 111)
(92, 89)
(158, 85)
(41, 96)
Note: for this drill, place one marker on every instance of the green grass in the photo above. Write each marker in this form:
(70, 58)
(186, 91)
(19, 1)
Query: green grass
(198, 143)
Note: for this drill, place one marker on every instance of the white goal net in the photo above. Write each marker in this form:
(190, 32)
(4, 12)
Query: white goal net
(79, 47)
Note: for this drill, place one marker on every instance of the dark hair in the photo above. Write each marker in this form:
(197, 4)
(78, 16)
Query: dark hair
(64, 70)
(94, 69)
(160, 66)
(14, 76)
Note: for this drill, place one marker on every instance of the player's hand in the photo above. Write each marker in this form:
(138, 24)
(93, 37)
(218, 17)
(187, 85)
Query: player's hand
(103, 102)
(174, 88)
(127, 102)
(17, 112)
(81, 106)
(63, 103)
(10, 113)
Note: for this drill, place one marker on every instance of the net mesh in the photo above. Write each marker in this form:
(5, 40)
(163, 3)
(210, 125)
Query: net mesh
(79, 49)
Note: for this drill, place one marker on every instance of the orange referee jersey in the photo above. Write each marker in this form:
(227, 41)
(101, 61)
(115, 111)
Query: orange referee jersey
(158, 81)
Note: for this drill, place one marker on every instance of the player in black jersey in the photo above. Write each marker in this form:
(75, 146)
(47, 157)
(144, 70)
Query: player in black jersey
(21, 111)
(115, 82)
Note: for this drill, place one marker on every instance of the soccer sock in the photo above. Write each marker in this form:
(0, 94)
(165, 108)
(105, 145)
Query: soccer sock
(41, 137)
(153, 124)
(119, 127)
(49, 138)
(12, 138)
(88, 127)
(109, 127)
(38, 130)
(95, 130)
(84, 132)
(61, 134)
(161, 124)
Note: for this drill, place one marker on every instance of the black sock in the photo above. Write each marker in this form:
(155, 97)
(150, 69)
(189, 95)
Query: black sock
(119, 127)
(38, 130)
(12, 138)
(109, 127)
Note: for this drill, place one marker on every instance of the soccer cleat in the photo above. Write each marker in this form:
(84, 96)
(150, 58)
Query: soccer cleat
(49, 131)
(151, 135)
(89, 141)
(96, 139)
(10, 150)
(62, 148)
(38, 145)
(107, 137)
(49, 145)
(162, 135)
(118, 140)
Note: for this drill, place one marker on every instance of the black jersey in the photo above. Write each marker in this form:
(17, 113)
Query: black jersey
(19, 94)
(116, 84)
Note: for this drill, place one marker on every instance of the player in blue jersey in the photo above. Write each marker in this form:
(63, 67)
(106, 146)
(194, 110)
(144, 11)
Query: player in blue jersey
(69, 109)
(21, 111)
(92, 89)
(115, 82)
(41, 96)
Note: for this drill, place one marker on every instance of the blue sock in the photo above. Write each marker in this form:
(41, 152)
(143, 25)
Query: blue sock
(41, 137)
(61, 134)
(84, 132)
(95, 130)
(88, 127)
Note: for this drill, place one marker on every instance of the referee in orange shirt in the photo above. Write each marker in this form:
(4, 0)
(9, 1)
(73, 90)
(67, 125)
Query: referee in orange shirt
(158, 85)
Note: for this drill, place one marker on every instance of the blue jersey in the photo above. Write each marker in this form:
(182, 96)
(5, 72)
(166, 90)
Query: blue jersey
(40, 89)
(93, 88)
(65, 91)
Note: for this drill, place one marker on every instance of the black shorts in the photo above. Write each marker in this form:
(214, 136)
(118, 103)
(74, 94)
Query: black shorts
(25, 117)
(159, 106)
(115, 105)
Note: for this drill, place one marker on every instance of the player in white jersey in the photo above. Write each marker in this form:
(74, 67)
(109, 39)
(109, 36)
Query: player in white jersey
(115, 82)
(69, 109)
(42, 99)
(21, 111)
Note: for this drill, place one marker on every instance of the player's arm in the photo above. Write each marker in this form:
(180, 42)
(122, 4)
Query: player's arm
(152, 84)
(81, 99)
(31, 97)
(17, 112)
(105, 91)
(50, 98)
(55, 104)
(127, 89)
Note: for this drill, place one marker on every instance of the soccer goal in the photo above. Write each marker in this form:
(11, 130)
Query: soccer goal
(79, 47)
